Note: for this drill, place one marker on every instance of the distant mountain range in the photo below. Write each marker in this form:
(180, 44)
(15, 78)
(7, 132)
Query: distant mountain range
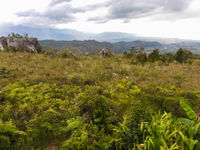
(46, 33)
(53, 38)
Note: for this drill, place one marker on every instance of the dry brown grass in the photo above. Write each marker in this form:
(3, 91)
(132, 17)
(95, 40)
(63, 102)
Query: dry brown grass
(95, 70)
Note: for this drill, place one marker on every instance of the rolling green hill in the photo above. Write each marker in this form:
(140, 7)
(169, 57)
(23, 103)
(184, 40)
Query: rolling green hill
(92, 46)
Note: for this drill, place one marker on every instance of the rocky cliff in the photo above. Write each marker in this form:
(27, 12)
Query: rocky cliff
(20, 43)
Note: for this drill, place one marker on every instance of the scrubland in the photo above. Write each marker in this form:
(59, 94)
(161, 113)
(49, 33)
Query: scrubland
(88, 102)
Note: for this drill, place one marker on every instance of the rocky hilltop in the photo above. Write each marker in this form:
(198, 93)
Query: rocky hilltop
(19, 43)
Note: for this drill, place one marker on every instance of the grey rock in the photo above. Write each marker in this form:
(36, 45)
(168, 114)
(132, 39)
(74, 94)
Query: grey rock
(1, 47)
(103, 53)
(21, 43)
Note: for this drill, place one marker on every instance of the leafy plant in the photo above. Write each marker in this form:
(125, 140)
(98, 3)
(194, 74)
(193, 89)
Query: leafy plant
(191, 114)
(190, 136)
(160, 133)
(10, 137)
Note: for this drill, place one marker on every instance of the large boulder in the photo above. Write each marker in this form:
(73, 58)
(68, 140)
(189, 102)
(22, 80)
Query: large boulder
(20, 43)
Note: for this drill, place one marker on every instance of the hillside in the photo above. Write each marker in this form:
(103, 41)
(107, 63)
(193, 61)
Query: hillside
(92, 46)
(88, 102)
(80, 47)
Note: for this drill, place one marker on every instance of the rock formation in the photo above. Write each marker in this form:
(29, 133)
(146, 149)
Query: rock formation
(20, 43)
(103, 53)
(1, 47)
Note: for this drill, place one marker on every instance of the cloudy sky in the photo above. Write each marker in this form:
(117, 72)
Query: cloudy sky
(159, 18)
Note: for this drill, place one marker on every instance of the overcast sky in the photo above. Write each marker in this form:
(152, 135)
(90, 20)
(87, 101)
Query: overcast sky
(159, 18)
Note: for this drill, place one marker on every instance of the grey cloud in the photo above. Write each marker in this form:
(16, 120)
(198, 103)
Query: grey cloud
(58, 11)
(63, 13)
(98, 19)
(27, 13)
(176, 5)
(98, 5)
(56, 2)
(130, 9)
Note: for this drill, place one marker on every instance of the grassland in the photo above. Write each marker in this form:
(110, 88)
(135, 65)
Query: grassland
(88, 102)
(96, 71)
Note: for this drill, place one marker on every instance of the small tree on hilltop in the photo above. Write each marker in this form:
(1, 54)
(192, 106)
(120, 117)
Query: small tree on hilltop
(142, 58)
(167, 58)
(154, 56)
(109, 53)
(182, 55)
(133, 50)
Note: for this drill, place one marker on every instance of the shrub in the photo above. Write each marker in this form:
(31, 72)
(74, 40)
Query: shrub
(167, 58)
(66, 54)
(93, 106)
(128, 132)
(141, 58)
(182, 55)
(154, 56)
(11, 49)
(160, 133)
(10, 137)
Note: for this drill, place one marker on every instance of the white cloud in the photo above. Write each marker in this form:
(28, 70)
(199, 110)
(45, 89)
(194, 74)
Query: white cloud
(163, 18)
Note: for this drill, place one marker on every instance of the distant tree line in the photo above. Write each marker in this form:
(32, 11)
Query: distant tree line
(140, 56)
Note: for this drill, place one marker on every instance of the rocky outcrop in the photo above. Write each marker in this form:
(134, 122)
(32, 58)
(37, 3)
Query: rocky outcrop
(20, 43)
(1, 47)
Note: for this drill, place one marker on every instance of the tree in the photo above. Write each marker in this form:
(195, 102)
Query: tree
(141, 58)
(125, 53)
(133, 50)
(182, 55)
(167, 58)
(109, 53)
(142, 47)
(154, 56)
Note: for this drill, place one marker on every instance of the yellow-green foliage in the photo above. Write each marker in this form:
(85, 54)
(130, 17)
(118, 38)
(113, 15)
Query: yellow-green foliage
(79, 102)
(10, 137)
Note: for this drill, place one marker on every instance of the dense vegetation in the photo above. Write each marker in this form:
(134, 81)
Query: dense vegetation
(129, 101)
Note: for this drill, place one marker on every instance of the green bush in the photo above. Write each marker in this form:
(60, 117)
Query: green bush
(182, 55)
(154, 56)
(11, 49)
(128, 132)
(94, 107)
(161, 133)
(10, 137)
(142, 58)
(66, 54)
